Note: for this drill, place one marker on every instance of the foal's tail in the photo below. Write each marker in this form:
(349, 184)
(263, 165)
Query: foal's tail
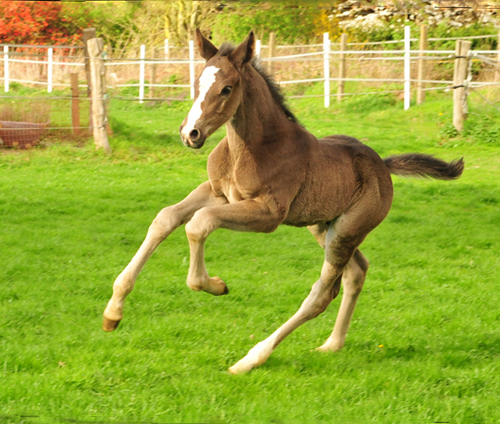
(420, 165)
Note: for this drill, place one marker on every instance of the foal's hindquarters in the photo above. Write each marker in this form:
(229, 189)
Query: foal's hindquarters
(344, 264)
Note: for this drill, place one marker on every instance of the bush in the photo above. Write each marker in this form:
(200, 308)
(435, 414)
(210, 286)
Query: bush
(293, 21)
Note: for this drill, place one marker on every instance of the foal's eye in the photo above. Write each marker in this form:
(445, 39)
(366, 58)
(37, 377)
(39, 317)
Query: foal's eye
(226, 90)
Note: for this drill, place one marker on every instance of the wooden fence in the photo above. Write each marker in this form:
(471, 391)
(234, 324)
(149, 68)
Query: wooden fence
(334, 58)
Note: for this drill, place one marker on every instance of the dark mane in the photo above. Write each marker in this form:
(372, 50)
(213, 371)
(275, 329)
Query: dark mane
(226, 48)
(274, 89)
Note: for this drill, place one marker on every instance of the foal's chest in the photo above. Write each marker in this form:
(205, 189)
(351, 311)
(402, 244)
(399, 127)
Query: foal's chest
(235, 180)
(234, 187)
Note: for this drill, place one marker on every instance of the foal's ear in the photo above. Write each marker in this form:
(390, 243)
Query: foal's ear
(206, 49)
(244, 52)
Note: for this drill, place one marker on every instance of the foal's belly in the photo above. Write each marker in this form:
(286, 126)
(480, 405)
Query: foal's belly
(315, 208)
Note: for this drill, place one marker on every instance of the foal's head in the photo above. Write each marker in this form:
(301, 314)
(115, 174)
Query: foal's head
(218, 90)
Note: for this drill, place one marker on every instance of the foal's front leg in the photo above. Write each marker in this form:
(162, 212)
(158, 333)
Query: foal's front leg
(247, 215)
(167, 221)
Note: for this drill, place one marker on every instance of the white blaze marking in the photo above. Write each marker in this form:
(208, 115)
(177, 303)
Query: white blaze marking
(207, 78)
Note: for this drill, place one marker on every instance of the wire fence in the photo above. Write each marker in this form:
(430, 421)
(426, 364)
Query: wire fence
(167, 73)
(26, 121)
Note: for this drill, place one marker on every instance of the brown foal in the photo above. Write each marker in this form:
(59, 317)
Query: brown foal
(268, 171)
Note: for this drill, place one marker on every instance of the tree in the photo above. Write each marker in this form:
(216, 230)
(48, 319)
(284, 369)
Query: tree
(182, 17)
(38, 22)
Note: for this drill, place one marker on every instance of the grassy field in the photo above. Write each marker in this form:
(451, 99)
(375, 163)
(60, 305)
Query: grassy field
(424, 345)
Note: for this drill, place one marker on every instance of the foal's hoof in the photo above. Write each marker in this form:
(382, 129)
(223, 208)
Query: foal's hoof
(217, 287)
(329, 348)
(109, 324)
(240, 369)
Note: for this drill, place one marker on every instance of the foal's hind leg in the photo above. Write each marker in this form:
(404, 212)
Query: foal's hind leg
(167, 221)
(338, 251)
(353, 279)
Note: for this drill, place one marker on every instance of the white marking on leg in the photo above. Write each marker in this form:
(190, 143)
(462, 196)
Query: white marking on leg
(206, 81)
(255, 357)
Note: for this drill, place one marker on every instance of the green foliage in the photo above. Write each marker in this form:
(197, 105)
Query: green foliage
(482, 128)
(444, 31)
(394, 30)
(482, 124)
(293, 21)
(122, 25)
(448, 131)
(125, 25)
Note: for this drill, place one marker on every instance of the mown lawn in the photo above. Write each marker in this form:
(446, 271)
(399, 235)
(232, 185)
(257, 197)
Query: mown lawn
(424, 345)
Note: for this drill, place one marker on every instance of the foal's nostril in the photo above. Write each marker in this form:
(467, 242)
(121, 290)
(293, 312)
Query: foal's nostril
(194, 135)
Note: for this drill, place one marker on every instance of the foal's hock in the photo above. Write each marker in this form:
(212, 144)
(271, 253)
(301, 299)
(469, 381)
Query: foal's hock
(268, 171)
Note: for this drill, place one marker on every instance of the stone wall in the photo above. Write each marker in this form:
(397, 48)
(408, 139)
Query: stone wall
(366, 15)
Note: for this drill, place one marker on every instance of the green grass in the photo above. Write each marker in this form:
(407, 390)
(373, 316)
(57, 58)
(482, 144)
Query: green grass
(424, 345)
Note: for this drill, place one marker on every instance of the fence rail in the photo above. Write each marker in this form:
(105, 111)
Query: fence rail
(327, 63)
(329, 52)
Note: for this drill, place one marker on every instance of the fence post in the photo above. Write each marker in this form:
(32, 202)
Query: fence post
(88, 34)
(498, 59)
(50, 53)
(272, 51)
(153, 74)
(342, 66)
(141, 73)
(326, 67)
(407, 68)
(258, 48)
(191, 67)
(75, 103)
(6, 68)
(421, 64)
(95, 48)
(459, 75)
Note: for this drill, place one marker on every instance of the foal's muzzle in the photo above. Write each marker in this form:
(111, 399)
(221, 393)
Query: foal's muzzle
(193, 139)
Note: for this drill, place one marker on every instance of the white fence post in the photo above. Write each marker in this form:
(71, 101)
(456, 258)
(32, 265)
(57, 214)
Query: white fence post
(141, 73)
(326, 65)
(6, 68)
(258, 48)
(407, 67)
(191, 67)
(49, 69)
(167, 49)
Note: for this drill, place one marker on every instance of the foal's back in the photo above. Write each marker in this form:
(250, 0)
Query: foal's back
(342, 174)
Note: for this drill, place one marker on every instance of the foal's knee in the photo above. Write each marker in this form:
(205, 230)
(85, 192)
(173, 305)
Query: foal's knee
(201, 225)
(165, 222)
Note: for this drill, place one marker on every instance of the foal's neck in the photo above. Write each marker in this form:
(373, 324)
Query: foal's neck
(259, 119)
